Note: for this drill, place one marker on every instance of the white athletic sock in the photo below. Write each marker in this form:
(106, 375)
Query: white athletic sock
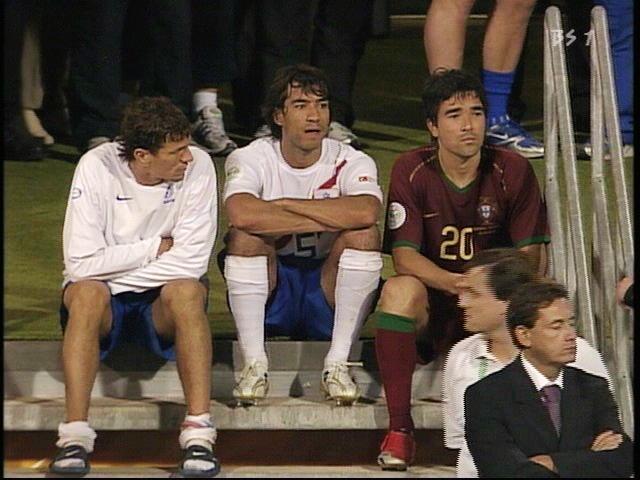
(204, 98)
(75, 433)
(197, 430)
(248, 286)
(357, 281)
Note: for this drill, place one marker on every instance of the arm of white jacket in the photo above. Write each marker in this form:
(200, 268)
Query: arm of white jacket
(193, 238)
(85, 250)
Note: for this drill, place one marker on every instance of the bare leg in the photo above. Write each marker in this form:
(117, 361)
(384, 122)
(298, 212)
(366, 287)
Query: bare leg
(89, 308)
(504, 37)
(179, 313)
(444, 33)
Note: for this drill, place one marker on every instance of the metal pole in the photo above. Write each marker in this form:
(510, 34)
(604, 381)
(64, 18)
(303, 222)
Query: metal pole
(567, 144)
(612, 122)
(604, 112)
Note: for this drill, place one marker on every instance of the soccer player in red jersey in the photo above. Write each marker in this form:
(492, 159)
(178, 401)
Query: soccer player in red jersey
(446, 202)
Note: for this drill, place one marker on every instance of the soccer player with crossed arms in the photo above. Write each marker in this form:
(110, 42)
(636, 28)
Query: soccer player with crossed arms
(302, 254)
(446, 202)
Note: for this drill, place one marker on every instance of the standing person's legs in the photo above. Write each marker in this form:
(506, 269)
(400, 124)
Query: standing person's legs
(32, 91)
(503, 42)
(18, 143)
(214, 63)
(283, 36)
(95, 70)
(620, 19)
(444, 34)
(170, 66)
(340, 34)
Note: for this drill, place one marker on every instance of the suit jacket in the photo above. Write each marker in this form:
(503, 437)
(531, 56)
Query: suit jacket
(506, 422)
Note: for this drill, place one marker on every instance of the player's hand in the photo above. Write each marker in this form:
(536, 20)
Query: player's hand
(608, 440)
(450, 283)
(544, 460)
(165, 245)
(621, 289)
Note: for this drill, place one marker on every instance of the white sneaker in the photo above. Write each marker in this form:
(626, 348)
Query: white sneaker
(587, 149)
(343, 134)
(208, 131)
(253, 384)
(262, 131)
(34, 126)
(338, 385)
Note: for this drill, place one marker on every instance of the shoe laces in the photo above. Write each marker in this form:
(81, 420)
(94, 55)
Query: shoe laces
(339, 371)
(253, 370)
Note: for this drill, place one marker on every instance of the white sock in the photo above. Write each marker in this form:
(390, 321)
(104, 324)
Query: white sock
(356, 284)
(204, 98)
(197, 430)
(248, 286)
(75, 433)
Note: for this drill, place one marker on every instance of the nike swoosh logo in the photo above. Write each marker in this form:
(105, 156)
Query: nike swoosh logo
(499, 136)
(430, 215)
(122, 199)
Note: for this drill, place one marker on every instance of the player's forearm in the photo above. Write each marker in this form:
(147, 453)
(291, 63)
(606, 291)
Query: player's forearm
(408, 261)
(344, 213)
(174, 264)
(259, 217)
(109, 262)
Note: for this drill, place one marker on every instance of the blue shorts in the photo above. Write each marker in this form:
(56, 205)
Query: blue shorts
(132, 322)
(297, 307)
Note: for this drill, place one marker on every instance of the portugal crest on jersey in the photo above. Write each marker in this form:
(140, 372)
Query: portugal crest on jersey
(487, 209)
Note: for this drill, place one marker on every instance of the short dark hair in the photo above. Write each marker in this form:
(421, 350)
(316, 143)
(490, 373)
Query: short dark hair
(309, 79)
(528, 300)
(443, 84)
(150, 122)
(506, 268)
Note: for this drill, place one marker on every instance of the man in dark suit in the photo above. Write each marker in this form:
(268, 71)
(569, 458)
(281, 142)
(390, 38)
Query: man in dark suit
(537, 417)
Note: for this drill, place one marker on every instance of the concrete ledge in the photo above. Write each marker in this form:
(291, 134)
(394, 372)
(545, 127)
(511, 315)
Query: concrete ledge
(33, 369)
(276, 413)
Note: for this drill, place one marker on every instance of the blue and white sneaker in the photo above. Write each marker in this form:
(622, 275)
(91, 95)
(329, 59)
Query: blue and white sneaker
(504, 132)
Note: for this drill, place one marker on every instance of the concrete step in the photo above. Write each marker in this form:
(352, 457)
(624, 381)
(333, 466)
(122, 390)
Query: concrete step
(251, 471)
(257, 453)
(275, 413)
(33, 369)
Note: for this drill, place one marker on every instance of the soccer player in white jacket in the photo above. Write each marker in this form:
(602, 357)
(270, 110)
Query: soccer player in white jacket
(303, 250)
(139, 229)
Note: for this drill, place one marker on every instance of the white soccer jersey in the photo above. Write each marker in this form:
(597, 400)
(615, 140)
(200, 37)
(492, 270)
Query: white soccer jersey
(260, 170)
(113, 225)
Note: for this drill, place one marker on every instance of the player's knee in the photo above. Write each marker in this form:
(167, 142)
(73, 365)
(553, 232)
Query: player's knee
(87, 296)
(362, 239)
(404, 295)
(239, 242)
(179, 294)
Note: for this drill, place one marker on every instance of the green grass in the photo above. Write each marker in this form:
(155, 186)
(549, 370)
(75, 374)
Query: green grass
(387, 102)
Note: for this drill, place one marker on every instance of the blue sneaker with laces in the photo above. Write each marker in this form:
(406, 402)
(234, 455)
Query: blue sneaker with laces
(504, 132)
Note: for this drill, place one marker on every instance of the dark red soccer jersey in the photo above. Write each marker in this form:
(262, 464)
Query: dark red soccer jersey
(502, 207)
